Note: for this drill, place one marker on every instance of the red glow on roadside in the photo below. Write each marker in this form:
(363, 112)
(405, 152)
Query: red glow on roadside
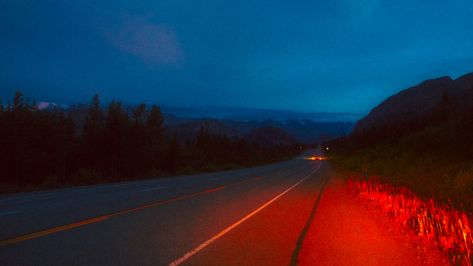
(448, 229)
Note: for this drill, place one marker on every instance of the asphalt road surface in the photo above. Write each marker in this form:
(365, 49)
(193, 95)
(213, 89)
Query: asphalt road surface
(253, 216)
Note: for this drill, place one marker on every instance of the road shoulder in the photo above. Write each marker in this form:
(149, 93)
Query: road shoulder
(346, 232)
(269, 237)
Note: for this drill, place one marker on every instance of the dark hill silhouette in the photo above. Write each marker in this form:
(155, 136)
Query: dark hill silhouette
(419, 138)
(418, 101)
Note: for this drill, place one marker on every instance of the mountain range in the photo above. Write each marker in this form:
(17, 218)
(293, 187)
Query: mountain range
(286, 131)
(282, 127)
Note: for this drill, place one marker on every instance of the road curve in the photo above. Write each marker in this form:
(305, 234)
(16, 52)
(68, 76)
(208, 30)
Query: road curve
(251, 216)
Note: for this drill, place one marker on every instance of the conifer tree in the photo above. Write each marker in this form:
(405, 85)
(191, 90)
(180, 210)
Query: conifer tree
(139, 115)
(94, 119)
(18, 101)
(154, 132)
(172, 155)
(92, 137)
(2, 108)
(139, 159)
(115, 137)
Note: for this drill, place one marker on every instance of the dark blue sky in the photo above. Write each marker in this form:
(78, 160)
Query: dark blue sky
(330, 56)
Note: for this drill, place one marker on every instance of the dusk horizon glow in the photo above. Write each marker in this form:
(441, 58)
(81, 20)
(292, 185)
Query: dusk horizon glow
(312, 56)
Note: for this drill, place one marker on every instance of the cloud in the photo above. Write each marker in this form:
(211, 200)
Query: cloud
(153, 43)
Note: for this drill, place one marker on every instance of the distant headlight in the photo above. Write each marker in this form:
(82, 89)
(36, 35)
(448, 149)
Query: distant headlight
(316, 158)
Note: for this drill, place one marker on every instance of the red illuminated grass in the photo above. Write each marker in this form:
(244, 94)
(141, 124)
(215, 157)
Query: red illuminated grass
(448, 229)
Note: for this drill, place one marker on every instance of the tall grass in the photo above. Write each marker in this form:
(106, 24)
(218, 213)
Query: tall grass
(440, 224)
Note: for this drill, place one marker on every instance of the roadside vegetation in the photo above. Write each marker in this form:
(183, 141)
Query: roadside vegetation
(436, 225)
(432, 154)
(419, 172)
(46, 149)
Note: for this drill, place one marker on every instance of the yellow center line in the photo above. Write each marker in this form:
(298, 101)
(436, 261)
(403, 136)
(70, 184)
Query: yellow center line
(101, 218)
(51, 231)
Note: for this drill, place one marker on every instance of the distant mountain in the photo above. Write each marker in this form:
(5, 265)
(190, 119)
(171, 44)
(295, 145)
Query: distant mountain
(301, 130)
(270, 136)
(419, 100)
(304, 131)
(187, 130)
(251, 114)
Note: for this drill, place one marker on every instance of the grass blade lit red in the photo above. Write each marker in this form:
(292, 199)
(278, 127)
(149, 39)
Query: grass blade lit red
(442, 225)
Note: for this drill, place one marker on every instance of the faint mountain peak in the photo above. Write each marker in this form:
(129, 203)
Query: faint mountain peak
(270, 136)
(43, 105)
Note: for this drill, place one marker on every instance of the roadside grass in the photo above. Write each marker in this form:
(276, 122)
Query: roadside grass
(448, 229)
(429, 177)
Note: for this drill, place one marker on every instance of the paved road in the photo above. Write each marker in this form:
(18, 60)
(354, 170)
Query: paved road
(251, 216)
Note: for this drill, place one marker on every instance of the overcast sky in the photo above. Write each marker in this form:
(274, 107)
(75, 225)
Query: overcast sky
(327, 56)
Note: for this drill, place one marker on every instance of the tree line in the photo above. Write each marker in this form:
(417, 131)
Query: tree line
(45, 148)
(431, 153)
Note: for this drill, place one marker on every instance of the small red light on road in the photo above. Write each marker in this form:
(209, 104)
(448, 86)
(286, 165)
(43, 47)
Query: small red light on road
(316, 158)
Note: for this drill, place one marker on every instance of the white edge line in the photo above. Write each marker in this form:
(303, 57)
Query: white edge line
(231, 227)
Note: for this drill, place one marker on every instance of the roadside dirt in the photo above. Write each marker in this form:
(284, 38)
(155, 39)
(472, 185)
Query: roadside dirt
(347, 231)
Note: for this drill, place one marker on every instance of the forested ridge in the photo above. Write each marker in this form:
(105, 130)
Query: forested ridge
(432, 153)
(44, 148)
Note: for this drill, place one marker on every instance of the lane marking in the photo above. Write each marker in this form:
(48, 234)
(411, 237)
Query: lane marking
(97, 219)
(51, 231)
(9, 213)
(152, 189)
(101, 218)
(68, 191)
(40, 196)
(231, 227)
